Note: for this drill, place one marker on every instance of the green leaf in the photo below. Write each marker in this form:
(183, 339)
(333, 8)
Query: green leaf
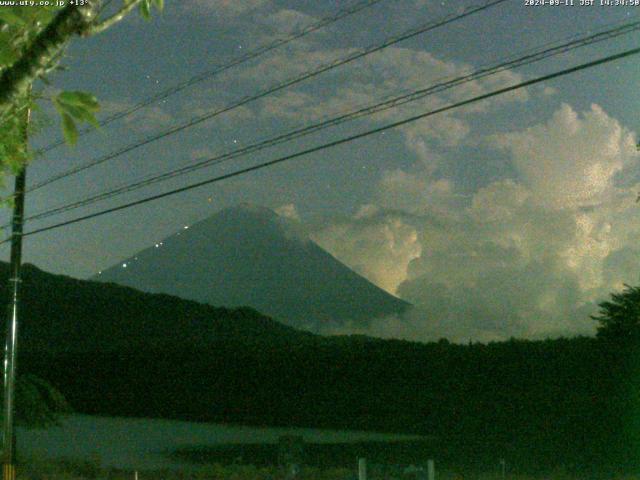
(69, 129)
(80, 99)
(159, 4)
(78, 106)
(11, 18)
(7, 54)
(81, 114)
(43, 14)
(145, 9)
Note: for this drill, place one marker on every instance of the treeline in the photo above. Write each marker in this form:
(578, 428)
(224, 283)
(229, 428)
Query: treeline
(571, 403)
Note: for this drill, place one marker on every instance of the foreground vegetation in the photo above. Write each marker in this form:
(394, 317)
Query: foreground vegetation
(571, 404)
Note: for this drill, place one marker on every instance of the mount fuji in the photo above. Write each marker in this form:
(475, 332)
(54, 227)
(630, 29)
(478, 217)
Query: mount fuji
(250, 256)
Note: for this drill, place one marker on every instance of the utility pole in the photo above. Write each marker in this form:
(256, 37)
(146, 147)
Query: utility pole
(11, 343)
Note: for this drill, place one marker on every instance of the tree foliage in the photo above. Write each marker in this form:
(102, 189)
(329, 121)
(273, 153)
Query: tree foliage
(619, 317)
(32, 45)
(38, 403)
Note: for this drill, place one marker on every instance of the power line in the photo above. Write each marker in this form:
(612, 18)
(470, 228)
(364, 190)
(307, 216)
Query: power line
(341, 141)
(287, 83)
(222, 68)
(393, 102)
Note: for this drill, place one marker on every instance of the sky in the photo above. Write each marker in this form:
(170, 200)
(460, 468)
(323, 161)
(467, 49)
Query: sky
(510, 217)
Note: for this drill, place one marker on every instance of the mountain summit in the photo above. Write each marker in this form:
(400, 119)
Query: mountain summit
(249, 256)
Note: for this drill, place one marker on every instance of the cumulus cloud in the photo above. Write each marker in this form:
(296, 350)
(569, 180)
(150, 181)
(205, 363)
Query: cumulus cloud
(497, 271)
(377, 246)
(530, 256)
(572, 159)
(417, 193)
(288, 211)
(423, 135)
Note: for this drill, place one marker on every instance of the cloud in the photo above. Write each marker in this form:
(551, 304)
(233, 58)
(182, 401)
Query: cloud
(492, 271)
(288, 211)
(228, 120)
(148, 119)
(423, 135)
(620, 267)
(378, 247)
(224, 9)
(287, 21)
(377, 77)
(416, 192)
(292, 61)
(570, 160)
(528, 256)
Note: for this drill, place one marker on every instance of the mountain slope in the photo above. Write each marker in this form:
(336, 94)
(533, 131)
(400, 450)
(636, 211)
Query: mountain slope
(64, 314)
(250, 256)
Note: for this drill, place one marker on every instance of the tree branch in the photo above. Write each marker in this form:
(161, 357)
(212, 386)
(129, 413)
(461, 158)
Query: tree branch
(111, 21)
(14, 81)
